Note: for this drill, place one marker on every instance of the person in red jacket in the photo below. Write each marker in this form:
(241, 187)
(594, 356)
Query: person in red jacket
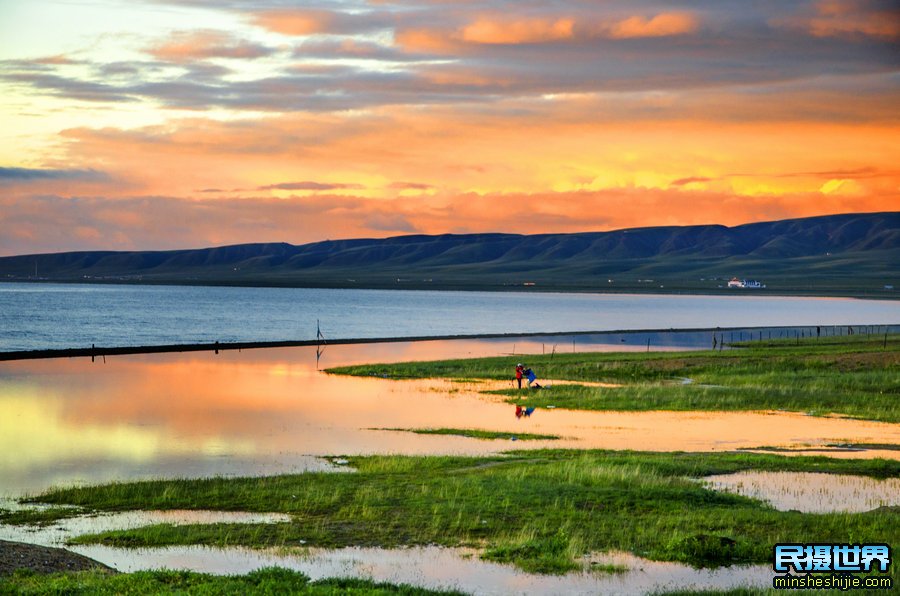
(520, 369)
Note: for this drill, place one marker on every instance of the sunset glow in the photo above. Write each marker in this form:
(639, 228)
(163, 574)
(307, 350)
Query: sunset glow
(186, 123)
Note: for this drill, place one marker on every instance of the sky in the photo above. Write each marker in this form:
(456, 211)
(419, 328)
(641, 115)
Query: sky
(162, 124)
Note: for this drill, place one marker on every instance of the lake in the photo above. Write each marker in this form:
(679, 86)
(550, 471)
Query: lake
(45, 316)
(269, 411)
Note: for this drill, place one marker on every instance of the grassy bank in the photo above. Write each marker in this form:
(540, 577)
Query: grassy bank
(264, 581)
(39, 517)
(856, 376)
(473, 433)
(540, 510)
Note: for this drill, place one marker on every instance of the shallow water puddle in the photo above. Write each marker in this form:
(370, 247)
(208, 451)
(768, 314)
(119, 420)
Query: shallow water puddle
(56, 534)
(811, 492)
(436, 567)
(433, 567)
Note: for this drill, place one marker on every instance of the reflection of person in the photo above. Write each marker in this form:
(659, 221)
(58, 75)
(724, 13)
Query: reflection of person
(519, 370)
(526, 412)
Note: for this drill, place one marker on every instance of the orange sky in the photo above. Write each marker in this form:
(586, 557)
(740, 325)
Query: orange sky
(181, 123)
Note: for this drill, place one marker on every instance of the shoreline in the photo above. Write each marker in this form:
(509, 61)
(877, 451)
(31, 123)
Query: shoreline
(100, 351)
(873, 293)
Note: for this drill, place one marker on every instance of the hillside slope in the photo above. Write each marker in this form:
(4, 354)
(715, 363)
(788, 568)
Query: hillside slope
(849, 253)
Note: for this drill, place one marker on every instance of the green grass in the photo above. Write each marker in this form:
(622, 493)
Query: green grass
(544, 554)
(473, 433)
(856, 376)
(271, 580)
(540, 510)
(39, 517)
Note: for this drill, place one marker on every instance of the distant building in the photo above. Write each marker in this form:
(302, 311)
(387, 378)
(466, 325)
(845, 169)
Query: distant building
(745, 284)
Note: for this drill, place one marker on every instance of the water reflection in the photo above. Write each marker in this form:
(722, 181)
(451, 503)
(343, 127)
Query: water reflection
(57, 534)
(434, 567)
(270, 411)
(526, 412)
(811, 492)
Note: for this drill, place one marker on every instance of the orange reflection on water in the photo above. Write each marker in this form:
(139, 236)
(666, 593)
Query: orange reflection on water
(195, 413)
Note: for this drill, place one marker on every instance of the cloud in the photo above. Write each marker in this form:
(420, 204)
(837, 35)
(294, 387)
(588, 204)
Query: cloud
(864, 173)
(587, 142)
(39, 223)
(390, 223)
(187, 46)
(690, 180)
(303, 22)
(878, 19)
(296, 22)
(578, 29)
(337, 49)
(517, 31)
(421, 39)
(58, 59)
(854, 173)
(70, 87)
(308, 185)
(30, 174)
(661, 25)
(484, 52)
(438, 115)
(410, 186)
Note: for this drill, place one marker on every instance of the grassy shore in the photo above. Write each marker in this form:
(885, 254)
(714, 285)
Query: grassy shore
(539, 510)
(856, 376)
(39, 517)
(264, 581)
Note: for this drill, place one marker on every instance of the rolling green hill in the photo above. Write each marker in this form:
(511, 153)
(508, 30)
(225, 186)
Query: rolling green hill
(854, 254)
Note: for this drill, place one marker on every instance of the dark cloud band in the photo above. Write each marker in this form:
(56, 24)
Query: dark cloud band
(29, 174)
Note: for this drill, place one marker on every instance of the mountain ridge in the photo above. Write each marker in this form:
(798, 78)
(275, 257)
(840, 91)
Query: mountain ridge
(845, 250)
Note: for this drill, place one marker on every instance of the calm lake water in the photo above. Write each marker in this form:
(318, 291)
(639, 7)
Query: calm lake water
(41, 316)
(270, 411)
(70, 421)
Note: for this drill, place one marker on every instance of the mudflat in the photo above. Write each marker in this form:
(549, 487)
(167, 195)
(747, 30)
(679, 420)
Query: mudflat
(44, 559)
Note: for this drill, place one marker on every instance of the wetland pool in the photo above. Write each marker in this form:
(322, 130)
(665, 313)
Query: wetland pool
(428, 566)
(811, 492)
(270, 411)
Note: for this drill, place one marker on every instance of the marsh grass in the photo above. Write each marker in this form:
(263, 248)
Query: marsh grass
(540, 510)
(554, 554)
(272, 580)
(473, 433)
(45, 516)
(856, 376)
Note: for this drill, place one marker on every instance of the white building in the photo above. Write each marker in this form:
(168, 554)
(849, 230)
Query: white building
(745, 283)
